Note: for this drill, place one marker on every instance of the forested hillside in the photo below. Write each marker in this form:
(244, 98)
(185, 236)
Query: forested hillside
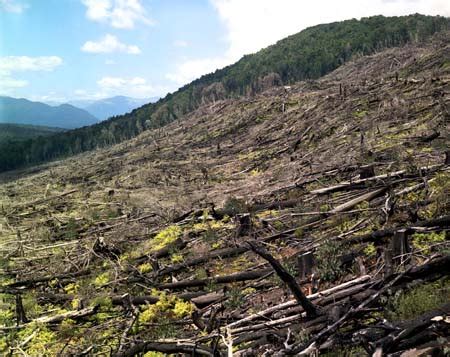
(306, 55)
(13, 132)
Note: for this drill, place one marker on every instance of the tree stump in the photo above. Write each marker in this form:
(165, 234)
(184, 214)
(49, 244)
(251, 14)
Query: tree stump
(244, 225)
(21, 317)
(305, 265)
(400, 247)
(366, 171)
(388, 268)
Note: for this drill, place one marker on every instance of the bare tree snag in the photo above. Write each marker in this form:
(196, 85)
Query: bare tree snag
(288, 279)
(305, 264)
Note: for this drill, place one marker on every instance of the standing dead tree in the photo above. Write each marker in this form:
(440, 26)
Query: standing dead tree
(310, 308)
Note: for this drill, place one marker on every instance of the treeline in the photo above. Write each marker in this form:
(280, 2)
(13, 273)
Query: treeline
(13, 132)
(309, 54)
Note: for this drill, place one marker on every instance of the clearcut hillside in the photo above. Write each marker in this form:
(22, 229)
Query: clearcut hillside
(311, 218)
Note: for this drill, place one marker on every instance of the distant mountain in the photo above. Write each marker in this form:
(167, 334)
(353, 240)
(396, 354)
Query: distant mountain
(23, 111)
(108, 107)
(14, 132)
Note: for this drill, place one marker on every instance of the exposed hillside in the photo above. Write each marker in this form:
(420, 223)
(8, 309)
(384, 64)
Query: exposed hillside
(308, 54)
(156, 244)
(11, 132)
(23, 111)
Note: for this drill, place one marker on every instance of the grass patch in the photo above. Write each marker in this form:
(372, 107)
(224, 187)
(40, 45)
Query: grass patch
(410, 304)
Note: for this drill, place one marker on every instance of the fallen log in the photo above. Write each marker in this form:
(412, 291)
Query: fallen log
(32, 282)
(43, 200)
(227, 252)
(77, 314)
(357, 183)
(168, 347)
(441, 264)
(356, 201)
(392, 342)
(199, 298)
(441, 222)
(236, 277)
(292, 303)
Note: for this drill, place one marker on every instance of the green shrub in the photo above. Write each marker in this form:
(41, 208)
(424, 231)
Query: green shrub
(410, 304)
(234, 206)
(329, 262)
(165, 237)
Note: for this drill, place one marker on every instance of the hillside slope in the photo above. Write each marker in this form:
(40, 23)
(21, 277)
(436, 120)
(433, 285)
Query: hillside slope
(309, 54)
(147, 245)
(10, 132)
(23, 111)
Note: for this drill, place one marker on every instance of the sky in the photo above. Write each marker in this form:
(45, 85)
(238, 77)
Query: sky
(63, 50)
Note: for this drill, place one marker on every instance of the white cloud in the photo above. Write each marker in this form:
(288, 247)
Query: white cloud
(117, 13)
(180, 43)
(254, 24)
(134, 86)
(80, 92)
(191, 69)
(108, 44)
(10, 64)
(13, 6)
(110, 61)
(117, 82)
(8, 84)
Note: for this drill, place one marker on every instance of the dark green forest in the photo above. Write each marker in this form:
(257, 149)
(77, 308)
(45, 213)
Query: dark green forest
(309, 54)
(18, 132)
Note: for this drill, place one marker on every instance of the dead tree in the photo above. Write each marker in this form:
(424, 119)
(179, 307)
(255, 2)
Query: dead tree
(288, 279)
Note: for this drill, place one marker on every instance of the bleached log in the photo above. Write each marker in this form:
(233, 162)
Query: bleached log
(352, 203)
(292, 303)
(346, 184)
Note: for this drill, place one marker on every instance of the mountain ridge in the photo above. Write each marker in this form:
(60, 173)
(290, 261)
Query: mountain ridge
(24, 111)
(113, 106)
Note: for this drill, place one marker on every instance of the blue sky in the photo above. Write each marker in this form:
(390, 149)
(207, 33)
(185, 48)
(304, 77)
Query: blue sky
(60, 50)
